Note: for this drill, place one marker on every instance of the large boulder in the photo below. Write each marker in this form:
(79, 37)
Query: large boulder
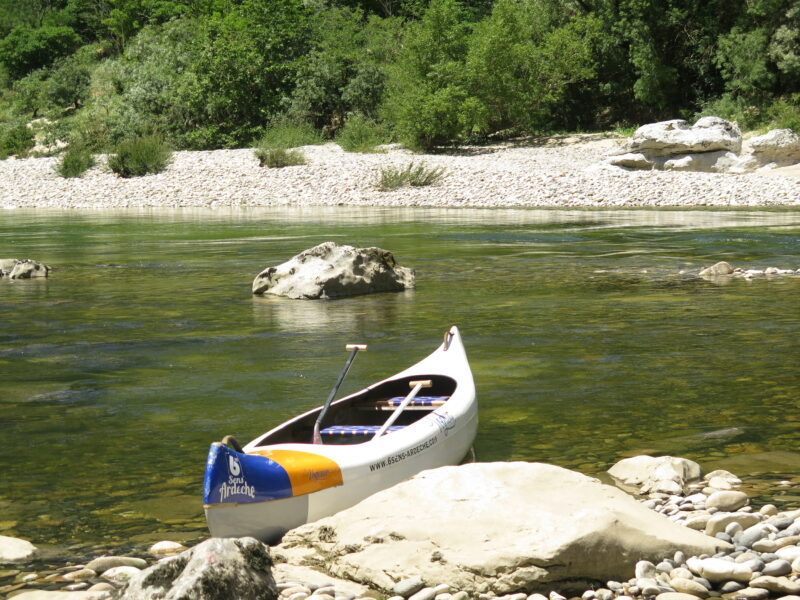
(330, 270)
(493, 527)
(664, 474)
(668, 138)
(15, 550)
(14, 268)
(217, 569)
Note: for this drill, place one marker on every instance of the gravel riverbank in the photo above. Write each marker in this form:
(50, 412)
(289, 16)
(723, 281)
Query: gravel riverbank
(559, 171)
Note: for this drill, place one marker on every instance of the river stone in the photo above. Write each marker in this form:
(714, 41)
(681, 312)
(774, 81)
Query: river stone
(675, 596)
(688, 586)
(104, 563)
(330, 270)
(427, 593)
(121, 573)
(719, 521)
(46, 595)
(645, 474)
(720, 268)
(718, 570)
(166, 547)
(15, 550)
(80, 575)
(644, 569)
(580, 530)
(777, 567)
(789, 553)
(222, 569)
(727, 501)
(781, 585)
(408, 587)
(749, 593)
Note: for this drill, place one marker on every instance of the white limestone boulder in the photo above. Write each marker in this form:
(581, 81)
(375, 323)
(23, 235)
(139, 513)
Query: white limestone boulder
(330, 270)
(778, 145)
(668, 138)
(666, 474)
(495, 528)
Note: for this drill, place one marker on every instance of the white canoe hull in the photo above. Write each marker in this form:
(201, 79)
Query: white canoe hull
(325, 479)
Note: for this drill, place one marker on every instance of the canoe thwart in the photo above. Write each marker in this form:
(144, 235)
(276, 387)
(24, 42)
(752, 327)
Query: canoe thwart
(362, 347)
(356, 430)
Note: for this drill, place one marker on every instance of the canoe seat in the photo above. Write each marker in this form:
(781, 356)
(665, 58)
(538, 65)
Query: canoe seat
(356, 430)
(417, 403)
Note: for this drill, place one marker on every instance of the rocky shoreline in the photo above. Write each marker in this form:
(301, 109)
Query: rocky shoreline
(558, 171)
(759, 557)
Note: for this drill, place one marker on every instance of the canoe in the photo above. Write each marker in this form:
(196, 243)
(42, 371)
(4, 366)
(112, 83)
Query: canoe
(423, 417)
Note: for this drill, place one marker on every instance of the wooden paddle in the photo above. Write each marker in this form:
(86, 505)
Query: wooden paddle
(416, 387)
(354, 349)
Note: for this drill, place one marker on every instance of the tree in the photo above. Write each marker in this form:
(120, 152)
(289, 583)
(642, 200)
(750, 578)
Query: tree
(26, 49)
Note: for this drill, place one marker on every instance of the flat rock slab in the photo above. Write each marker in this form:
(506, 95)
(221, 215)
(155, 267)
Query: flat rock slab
(493, 527)
(330, 270)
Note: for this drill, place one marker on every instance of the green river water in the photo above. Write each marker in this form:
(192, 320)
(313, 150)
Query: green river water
(586, 341)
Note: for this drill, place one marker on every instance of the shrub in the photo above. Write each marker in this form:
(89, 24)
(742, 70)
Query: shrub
(75, 161)
(391, 178)
(360, 134)
(140, 156)
(786, 114)
(275, 158)
(285, 134)
(16, 140)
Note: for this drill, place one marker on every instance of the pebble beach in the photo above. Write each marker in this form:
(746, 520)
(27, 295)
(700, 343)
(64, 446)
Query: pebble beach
(557, 171)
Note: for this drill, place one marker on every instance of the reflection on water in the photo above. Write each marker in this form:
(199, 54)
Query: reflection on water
(346, 316)
(590, 337)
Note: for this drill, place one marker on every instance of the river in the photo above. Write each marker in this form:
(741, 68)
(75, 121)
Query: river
(590, 337)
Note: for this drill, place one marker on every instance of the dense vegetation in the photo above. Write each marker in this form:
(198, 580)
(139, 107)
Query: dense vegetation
(222, 73)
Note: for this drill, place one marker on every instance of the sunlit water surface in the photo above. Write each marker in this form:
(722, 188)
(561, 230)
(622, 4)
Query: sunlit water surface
(589, 337)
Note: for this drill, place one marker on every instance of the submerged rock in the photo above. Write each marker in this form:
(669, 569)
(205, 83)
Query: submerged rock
(330, 270)
(217, 569)
(663, 474)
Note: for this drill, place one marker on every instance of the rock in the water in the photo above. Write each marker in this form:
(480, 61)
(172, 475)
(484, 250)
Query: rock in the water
(15, 550)
(25, 268)
(333, 271)
(217, 569)
(665, 474)
(720, 268)
(727, 501)
(578, 530)
(166, 547)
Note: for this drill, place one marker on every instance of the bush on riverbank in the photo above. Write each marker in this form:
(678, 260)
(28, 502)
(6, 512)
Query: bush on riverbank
(360, 134)
(140, 156)
(16, 141)
(276, 158)
(75, 161)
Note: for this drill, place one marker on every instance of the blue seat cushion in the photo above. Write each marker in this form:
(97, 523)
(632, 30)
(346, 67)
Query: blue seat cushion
(356, 430)
(419, 400)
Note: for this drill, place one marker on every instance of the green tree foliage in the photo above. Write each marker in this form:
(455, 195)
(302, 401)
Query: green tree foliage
(26, 49)
(523, 58)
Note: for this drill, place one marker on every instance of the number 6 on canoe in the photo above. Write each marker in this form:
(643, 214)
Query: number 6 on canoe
(416, 387)
(354, 348)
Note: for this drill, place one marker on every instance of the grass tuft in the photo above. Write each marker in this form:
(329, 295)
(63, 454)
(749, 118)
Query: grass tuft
(275, 158)
(140, 156)
(392, 178)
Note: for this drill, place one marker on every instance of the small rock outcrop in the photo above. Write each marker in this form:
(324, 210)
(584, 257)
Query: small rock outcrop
(330, 270)
(15, 550)
(647, 474)
(447, 525)
(711, 145)
(222, 569)
(25, 268)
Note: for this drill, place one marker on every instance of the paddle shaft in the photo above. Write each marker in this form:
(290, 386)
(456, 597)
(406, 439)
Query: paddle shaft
(418, 385)
(354, 348)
